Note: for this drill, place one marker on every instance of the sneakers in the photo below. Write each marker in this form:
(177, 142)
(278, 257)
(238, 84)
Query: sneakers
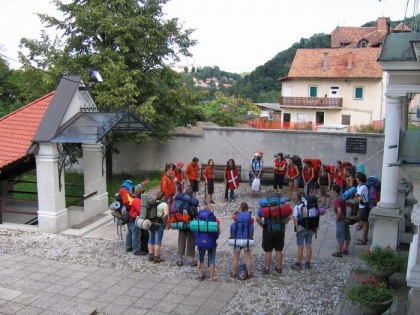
(266, 271)
(278, 270)
(158, 259)
(232, 201)
(151, 257)
(296, 266)
(308, 265)
(212, 202)
(129, 249)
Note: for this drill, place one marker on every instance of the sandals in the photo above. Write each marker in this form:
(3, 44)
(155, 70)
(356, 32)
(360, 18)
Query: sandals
(278, 270)
(203, 277)
(345, 252)
(249, 276)
(360, 242)
(193, 264)
(337, 255)
(266, 271)
(179, 263)
(233, 275)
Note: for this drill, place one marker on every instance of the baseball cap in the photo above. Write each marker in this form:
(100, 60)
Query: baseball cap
(179, 163)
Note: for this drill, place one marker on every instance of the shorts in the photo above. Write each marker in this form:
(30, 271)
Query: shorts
(312, 184)
(210, 186)
(342, 232)
(211, 255)
(272, 241)
(323, 190)
(295, 181)
(194, 185)
(304, 237)
(364, 214)
(155, 237)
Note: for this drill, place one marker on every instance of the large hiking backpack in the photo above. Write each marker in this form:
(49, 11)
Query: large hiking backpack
(309, 213)
(204, 239)
(152, 211)
(242, 229)
(298, 161)
(185, 202)
(316, 164)
(351, 214)
(374, 186)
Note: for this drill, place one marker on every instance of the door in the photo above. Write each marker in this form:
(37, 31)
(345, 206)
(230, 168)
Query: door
(319, 118)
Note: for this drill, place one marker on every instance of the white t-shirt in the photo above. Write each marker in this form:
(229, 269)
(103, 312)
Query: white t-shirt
(363, 192)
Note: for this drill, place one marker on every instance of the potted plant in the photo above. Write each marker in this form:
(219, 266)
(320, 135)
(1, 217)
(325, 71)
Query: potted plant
(382, 262)
(372, 296)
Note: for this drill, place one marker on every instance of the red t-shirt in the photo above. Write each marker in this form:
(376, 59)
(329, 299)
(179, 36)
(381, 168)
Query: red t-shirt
(281, 164)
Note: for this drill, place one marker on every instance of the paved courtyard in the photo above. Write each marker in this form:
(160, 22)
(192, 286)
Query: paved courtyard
(87, 271)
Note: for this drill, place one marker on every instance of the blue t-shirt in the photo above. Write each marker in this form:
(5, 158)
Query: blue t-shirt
(256, 164)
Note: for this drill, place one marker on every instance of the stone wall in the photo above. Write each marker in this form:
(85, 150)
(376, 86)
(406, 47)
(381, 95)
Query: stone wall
(220, 144)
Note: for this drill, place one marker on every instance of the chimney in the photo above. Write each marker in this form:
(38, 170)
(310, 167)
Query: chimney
(382, 24)
(349, 60)
(324, 61)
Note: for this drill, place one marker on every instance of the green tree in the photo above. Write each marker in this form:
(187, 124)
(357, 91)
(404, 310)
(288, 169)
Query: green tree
(128, 41)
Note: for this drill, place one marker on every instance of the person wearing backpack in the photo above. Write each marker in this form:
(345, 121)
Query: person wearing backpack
(342, 228)
(308, 176)
(364, 208)
(272, 238)
(255, 171)
(243, 224)
(339, 175)
(303, 236)
(179, 176)
(156, 234)
(293, 173)
(324, 182)
(143, 236)
(133, 232)
(207, 242)
(186, 240)
(279, 172)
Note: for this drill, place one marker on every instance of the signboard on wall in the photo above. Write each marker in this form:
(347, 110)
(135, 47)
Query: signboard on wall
(356, 145)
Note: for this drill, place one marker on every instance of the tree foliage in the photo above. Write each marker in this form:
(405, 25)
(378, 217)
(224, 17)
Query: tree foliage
(128, 41)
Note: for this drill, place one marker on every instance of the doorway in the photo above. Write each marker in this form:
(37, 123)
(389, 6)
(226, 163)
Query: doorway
(319, 118)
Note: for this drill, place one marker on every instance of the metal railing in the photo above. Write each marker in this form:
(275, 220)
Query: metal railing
(332, 102)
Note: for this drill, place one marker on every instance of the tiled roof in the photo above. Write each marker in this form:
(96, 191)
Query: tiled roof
(402, 28)
(336, 63)
(19, 127)
(344, 36)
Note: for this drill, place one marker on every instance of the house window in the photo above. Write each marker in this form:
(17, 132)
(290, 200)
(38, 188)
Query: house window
(286, 117)
(363, 44)
(334, 91)
(313, 91)
(345, 120)
(301, 117)
(358, 93)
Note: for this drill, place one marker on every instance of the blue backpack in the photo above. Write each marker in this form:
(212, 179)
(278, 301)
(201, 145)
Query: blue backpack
(242, 227)
(206, 240)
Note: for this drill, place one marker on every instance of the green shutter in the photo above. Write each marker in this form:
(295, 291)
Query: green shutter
(313, 91)
(358, 93)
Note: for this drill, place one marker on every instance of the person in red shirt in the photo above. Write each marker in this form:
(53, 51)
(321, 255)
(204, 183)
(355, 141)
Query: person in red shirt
(308, 175)
(135, 210)
(179, 176)
(293, 174)
(192, 175)
(340, 175)
(279, 172)
(209, 182)
(167, 184)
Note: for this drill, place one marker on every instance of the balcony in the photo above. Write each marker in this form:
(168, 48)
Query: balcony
(311, 102)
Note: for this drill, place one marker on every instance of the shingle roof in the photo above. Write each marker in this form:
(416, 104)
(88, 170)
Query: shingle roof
(344, 36)
(340, 63)
(19, 127)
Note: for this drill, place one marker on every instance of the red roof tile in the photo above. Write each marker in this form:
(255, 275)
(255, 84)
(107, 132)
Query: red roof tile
(339, 63)
(19, 127)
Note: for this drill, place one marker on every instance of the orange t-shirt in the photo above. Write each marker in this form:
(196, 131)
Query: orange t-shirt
(192, 171)
(167, 186)
(209, 173)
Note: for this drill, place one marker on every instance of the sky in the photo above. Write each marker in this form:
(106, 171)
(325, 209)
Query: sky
(235, 35)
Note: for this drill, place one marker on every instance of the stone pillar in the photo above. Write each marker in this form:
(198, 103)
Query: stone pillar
(52, 212)
(386, 215)
(95, 180)
(413, 264)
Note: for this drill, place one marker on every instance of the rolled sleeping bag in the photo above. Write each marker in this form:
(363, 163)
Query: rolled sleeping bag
(143, 208)
(349, 193)
(361, 168)
(203, 226)
(322, 210)
(241, 242)
(274, 211)
(263, 202)
(115, 205)
(143, 223)
(371, 180)
(180, 226)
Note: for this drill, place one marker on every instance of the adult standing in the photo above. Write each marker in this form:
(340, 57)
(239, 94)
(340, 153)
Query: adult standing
(293, 174)
(156, 233)
(186, 240)
(143, 238)
(133, 232)
(279, 172)
(255, 170)
(324, 182)
(192, 175)
(342, 228)
(274, 230)
(339, 175)
(363, 195)
(231, 179)
(209, 182)
(167, 184)
(179, 176)
(308, 176)
(303, 236)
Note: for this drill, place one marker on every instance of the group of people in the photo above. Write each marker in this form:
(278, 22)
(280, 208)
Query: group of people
(175, 179)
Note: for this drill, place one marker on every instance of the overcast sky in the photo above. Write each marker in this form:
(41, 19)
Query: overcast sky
(236, 35)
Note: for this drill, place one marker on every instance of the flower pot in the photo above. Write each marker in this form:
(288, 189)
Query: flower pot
(377, 308)
(382, 272)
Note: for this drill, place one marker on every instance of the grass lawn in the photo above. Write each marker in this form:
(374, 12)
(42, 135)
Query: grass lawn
(26, 184)
(412, 127)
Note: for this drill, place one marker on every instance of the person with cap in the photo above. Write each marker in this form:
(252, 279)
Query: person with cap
(192, 175)
(255, 171)
(209, 182)
(186, 240)
(308, 176)
(167, 184)
(279, 172)
(179, 176)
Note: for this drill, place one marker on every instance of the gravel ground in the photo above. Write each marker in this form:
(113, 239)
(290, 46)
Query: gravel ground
(315, 291)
